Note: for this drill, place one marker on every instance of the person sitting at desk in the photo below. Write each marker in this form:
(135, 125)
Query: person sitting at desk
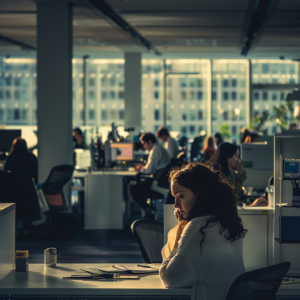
(169, 143)
(206, 249)
(227, 156)
(251, 138)
(78, 139)
(20, 159)
(158, 159)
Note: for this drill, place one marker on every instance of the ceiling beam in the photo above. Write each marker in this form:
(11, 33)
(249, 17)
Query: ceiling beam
(257, 18)
(103, 10)
(15, 42)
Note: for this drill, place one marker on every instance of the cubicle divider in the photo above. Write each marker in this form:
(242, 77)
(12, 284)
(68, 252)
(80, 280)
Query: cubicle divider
(7, 238)
(286, 147)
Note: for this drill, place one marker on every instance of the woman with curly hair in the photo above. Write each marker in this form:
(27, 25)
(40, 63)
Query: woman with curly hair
(206, 247)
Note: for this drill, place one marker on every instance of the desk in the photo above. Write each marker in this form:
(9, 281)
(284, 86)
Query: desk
(258, 241)
(7, 238)
(104, 204)
(47, 282)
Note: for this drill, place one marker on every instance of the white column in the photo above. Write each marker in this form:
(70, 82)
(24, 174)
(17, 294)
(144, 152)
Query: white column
(133, 91)
(54, 85)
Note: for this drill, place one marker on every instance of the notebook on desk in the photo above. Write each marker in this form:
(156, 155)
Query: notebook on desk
(128, 269)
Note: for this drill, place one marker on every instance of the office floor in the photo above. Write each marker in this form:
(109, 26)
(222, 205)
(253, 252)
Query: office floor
(87, 246)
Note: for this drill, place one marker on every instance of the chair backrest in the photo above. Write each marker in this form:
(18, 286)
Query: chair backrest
(18, 187)
(150, 237)
(261, 284)
(162, 175)
(58, 177)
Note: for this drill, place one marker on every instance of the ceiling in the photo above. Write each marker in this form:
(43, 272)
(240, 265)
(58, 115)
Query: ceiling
(176, 28)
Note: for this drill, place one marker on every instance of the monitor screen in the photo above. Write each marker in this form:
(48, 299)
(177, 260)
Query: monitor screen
(6, 138)
(121, 151)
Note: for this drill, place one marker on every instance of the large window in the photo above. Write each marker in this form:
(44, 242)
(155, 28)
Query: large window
(200, 94)
(186, 95)
(229, 90)
(272, 80)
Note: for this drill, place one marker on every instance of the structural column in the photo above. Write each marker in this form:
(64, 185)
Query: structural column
(54, 85)
(133, 91)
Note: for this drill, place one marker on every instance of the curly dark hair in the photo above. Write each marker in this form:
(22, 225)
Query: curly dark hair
(214, 196)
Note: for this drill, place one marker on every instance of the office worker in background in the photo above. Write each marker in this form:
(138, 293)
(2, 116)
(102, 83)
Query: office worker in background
(227, 156)
(244, 134)
(219, 139)
(252, 137)
(21, 160)
(208, 149)
(293, 126)
(78, 139)
(205, 249)
(158, 159)
(169, 143)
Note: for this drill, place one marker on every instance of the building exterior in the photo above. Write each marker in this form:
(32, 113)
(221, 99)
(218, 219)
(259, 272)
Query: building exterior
(200, 94)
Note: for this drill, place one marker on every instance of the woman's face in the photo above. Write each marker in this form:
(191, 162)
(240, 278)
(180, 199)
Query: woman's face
(233, 160)
(184, 199)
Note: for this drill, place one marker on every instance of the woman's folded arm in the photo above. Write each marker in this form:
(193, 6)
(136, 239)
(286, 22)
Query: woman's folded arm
(176, 272)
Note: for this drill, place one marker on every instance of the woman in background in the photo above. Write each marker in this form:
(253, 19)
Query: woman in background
(20, 159)
(219, 139)
(252, 138)
(208, 149)
(227, 156)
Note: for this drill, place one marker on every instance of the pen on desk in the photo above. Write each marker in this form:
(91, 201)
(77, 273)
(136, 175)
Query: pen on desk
(143, 266)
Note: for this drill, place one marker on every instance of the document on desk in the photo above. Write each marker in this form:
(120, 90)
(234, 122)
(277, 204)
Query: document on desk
(128, 269)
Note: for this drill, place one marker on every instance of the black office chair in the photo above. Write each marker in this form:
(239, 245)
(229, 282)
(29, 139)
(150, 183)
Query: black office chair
(53, 187)
(60, 223)
(261, 284)
(18, 187)
(150, 237)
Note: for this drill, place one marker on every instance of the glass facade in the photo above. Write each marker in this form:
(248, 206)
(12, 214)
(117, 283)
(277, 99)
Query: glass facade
(201, 95)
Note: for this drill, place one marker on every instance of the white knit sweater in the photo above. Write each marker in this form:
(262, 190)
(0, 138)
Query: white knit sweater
(213, 271)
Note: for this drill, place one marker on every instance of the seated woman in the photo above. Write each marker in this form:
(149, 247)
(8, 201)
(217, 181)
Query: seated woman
(20, 159)
(207, 247)
(252, 138)
(208, 149)
(227, 156)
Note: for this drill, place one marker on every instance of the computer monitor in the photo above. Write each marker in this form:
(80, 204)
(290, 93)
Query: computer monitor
(6, 138)
(258, 159)
(121, 151)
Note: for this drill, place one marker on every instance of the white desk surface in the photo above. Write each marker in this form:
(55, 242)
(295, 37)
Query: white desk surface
(40, 280)
(6, 207)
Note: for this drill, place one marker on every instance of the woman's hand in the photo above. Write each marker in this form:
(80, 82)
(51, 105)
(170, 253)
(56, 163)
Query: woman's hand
(240, 166)
(177, 216)
(260, 202)
(180, 228)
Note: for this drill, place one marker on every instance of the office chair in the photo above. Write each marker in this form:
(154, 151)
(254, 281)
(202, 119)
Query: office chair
(150, 237)
(53, 187)
(261, 284)
(18, 187)
(59, 222)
